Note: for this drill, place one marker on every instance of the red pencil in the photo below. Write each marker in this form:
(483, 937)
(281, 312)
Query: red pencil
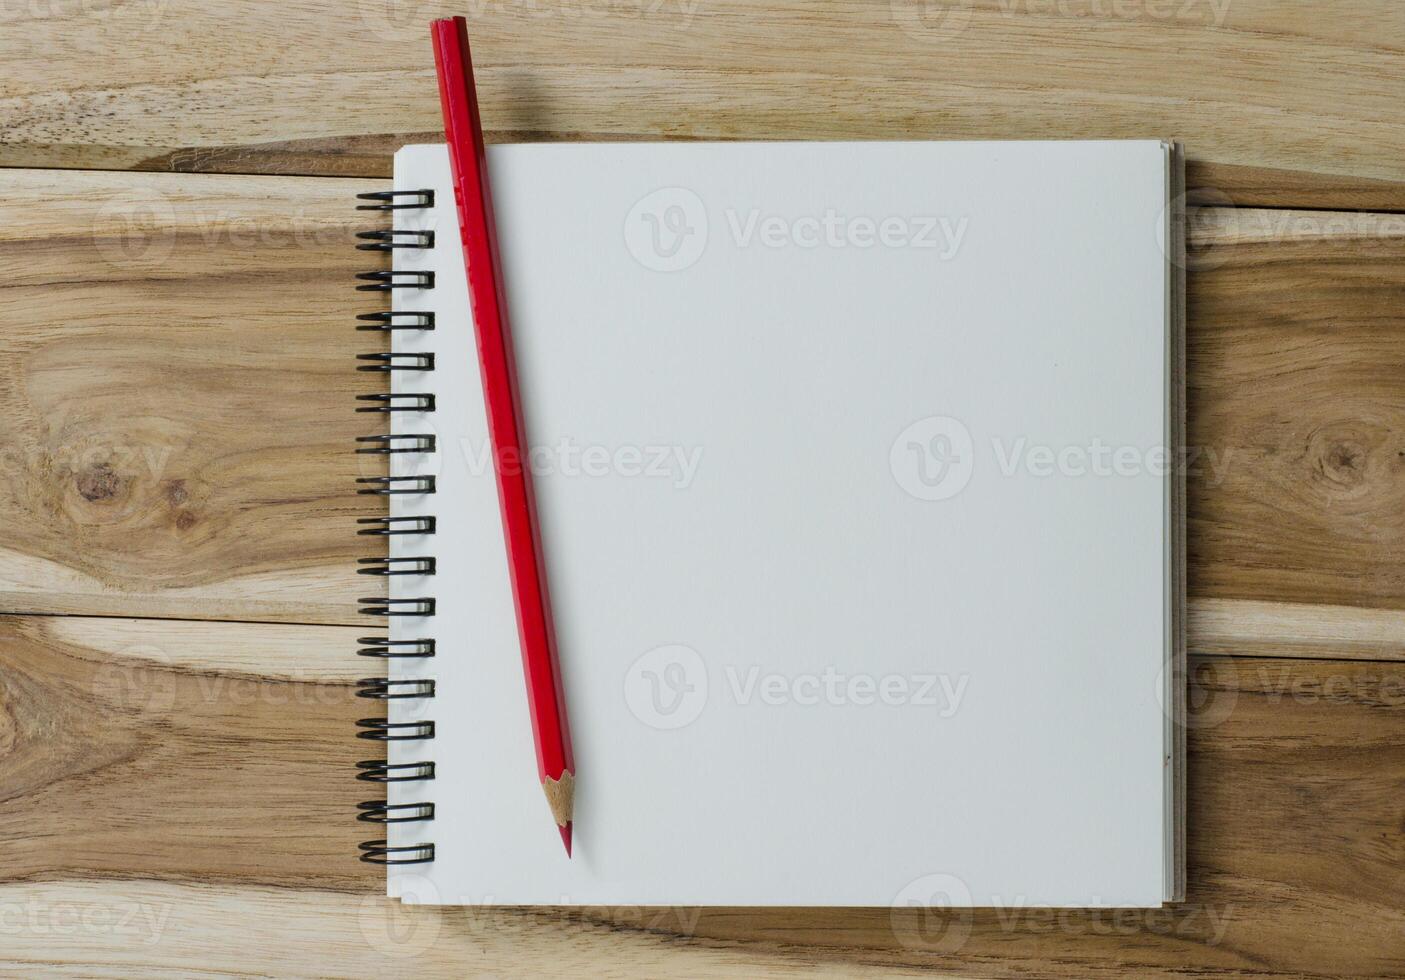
(485, 285)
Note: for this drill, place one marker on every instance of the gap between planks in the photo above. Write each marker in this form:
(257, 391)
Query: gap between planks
(1215, 628)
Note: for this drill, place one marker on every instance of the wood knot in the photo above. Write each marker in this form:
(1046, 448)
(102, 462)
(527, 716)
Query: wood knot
(176, 492)
(98, 482)
(1345, 462)
(9, 727)
(1349, 460)
(1345, 457)
(185, 520)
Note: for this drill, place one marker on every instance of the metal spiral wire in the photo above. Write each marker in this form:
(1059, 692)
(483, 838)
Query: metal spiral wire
(388, 444)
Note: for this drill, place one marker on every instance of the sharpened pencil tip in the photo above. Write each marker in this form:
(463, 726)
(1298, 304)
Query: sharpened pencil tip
(566, 837)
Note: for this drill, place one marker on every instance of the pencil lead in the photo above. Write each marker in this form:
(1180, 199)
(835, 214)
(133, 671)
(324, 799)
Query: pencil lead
(566, 836)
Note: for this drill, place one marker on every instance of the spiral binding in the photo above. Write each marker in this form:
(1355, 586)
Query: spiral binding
(395, 362)
(388, 444)
(396, 320)
(388, 279)
(402, 402)
(395, 566)
(390, 526)
(390, 485)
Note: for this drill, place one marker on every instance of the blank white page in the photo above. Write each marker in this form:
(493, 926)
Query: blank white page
(852, 483)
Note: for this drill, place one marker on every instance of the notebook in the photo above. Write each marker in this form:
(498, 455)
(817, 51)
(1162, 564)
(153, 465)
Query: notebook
(855, 471)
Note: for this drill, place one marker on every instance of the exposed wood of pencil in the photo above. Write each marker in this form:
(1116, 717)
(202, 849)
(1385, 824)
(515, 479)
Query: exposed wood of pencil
(561, 798)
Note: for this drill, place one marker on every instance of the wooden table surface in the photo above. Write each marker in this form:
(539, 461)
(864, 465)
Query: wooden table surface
(175, 421)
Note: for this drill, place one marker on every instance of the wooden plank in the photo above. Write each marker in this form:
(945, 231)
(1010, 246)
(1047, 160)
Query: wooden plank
(114, 929)
(176, 389)
(258, 651)
(1246, 628)
(1277, 103)
(176, 396)
(1296, 399)
(176, 780)
(180, 750)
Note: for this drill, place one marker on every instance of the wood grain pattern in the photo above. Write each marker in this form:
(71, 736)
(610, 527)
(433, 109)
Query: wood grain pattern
(1241, 627)
(176, 390)
(1296, 397)
(176, 396)
(157, 929)
(1280, 103)
(142, 754)
(174, 406)
(194, 805)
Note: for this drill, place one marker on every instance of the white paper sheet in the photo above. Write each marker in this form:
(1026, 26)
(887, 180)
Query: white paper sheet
(852, 483)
